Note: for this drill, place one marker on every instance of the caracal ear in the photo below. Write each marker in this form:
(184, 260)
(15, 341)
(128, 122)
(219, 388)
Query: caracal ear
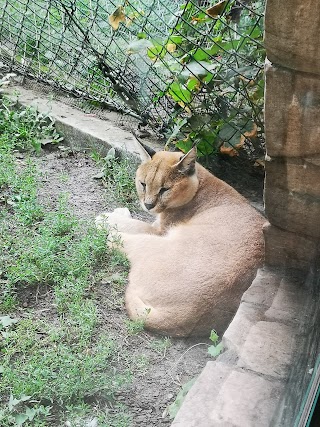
(187, 162)
(150, 152)
(147, 151)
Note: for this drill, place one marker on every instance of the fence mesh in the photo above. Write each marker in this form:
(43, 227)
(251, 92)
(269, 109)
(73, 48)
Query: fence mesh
(191, 70)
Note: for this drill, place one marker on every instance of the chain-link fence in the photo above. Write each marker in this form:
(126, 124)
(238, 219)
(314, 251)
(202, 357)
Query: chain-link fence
(191, 70)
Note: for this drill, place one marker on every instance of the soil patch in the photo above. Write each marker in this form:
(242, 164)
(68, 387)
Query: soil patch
(166, 368)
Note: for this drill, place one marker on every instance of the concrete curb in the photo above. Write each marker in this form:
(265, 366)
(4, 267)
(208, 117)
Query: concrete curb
(81, 131)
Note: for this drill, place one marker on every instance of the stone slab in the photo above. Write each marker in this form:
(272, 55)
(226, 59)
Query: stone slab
(225, 397)
(298, 175)
(199, 402)
(292, 36)
(263, 289)
(292, 113)
(245, 400)
(255, 301)
(268, 349)
(290, 305)
(294, 212)
(236, 334)
(289, 250)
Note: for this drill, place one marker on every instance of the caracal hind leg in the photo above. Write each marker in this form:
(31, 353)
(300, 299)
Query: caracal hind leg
(120, 220)
(171, 284)
(147, 295)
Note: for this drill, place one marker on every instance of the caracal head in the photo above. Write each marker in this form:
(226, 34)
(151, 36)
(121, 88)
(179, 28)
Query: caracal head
(167, 180)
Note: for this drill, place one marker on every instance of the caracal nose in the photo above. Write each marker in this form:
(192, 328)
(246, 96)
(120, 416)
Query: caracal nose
(149, 205)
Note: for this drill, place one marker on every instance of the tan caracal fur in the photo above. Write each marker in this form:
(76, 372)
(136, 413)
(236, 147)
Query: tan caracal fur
(190, 267)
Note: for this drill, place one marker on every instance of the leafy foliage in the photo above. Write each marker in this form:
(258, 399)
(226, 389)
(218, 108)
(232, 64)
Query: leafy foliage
(192, 70)
(25, 128)
(216, 83)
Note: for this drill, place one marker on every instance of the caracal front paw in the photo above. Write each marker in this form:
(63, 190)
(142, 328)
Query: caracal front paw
(113, 220)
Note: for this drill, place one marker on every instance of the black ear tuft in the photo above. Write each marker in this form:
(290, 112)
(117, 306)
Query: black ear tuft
(148, 149)
(150, 152)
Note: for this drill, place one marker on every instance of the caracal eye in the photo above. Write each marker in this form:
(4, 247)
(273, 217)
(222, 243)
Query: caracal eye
(163, 190)
(143, 184)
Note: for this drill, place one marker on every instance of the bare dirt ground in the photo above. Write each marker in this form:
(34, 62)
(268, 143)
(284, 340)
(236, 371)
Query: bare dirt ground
(166, 369)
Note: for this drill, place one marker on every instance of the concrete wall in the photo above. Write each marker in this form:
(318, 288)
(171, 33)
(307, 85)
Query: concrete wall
(292, 125)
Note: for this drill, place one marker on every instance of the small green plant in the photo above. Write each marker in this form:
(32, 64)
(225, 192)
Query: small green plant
(8, 301)
(134, 326)
(17, 412)
(22, 409)
(83, 414)
(36, 365)
(161, 345)
(63, 359)
(176, 405)
(118, 174)
(217, 347)
(137, 326)
(25, 128)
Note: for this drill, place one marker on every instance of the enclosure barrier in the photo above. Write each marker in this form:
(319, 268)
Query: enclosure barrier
(191, 70)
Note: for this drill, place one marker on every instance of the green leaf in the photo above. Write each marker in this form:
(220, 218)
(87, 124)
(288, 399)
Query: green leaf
(14, 402)
(214, 336)
(255, 34)
(176, 405)
(196, 68)
(247, 126)
(193, 84)
(204, 139)
(201, 55)
(177, 128)
(44, 410)
(215, 350)
(204, 54)
(184, 145)
(141, 35)
(24, 398)
(31, 413)
(230, 134)
(175, 39)
(111, 154)
(6, 321)
(156, 51)
(20, 419)
(179, 93)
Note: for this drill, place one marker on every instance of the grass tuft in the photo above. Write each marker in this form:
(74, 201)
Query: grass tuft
(57, 360)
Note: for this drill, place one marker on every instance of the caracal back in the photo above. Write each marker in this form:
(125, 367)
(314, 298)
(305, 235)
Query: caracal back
(190, 267)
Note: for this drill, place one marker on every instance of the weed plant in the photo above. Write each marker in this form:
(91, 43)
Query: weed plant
(192, 70)
(53, 362)
(118, 175)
